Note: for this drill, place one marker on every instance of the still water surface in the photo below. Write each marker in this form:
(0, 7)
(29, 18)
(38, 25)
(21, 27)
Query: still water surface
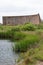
(7, 56)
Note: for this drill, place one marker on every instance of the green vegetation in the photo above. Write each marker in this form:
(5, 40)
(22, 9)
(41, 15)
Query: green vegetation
(29, 27)
(4, 35)
(29, 41)
(32, 55)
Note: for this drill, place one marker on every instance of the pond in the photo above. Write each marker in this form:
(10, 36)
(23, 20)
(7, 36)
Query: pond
(7, 56)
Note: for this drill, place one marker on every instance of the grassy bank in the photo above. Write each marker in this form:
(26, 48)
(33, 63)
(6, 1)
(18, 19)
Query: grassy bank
(29, 41)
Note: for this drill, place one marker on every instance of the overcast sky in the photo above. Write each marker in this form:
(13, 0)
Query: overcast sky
(20, 7)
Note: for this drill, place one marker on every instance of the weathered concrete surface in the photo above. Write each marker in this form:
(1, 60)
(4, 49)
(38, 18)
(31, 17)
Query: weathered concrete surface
(16, 20)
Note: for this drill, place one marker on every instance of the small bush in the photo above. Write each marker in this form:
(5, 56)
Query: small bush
(16, 28)
(40, 26)
(29, 27)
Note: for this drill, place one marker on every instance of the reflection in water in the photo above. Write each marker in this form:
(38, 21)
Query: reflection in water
(7, 57)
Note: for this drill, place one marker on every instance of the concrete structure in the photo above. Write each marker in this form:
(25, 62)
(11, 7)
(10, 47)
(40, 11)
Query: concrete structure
(17, 20)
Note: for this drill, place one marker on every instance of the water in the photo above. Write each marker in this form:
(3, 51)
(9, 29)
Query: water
(7, 56)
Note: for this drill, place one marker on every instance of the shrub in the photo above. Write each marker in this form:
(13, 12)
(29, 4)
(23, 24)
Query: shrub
(29, 27)
(40, 26)
(16, 28)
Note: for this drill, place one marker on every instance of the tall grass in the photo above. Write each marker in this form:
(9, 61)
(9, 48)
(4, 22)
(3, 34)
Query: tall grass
(4, 35)
(19, 36)
(28, 42)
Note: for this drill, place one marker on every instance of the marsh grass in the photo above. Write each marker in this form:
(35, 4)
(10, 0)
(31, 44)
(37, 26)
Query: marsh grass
(28, 42)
